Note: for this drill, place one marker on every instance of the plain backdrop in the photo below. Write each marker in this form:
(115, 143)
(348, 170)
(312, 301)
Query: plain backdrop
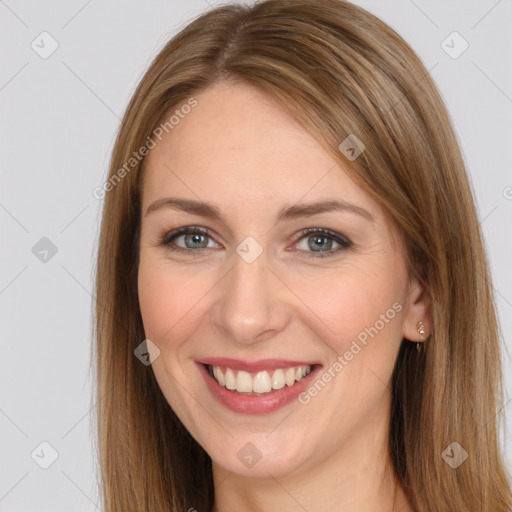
(59, 115)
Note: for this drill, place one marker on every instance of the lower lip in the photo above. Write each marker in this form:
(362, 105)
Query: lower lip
(256, 404)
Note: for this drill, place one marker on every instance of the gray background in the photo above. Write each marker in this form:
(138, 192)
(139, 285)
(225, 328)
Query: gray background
(59, 116)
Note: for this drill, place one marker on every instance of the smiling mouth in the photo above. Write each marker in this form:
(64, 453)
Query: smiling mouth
(258, 383)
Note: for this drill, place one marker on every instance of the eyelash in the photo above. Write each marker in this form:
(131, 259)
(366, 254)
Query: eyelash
(344, 242)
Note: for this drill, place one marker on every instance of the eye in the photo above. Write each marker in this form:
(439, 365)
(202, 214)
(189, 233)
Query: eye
(194, 237)
(318, 239)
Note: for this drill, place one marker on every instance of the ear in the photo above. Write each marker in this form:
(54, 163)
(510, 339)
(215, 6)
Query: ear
(417, 309)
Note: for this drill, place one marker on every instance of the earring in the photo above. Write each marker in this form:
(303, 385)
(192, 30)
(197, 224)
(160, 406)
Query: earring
(421, 330)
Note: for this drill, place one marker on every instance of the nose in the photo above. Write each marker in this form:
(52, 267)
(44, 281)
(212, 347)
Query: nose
(251, 305)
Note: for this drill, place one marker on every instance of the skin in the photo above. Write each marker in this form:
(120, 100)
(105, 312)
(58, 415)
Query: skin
(239, 150)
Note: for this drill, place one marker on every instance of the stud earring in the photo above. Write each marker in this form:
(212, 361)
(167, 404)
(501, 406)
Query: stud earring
(421, 330)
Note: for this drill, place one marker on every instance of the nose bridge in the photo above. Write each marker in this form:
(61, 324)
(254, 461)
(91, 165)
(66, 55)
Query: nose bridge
(249, 306)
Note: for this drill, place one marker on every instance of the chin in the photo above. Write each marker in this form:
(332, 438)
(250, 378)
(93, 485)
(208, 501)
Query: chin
(260, 456)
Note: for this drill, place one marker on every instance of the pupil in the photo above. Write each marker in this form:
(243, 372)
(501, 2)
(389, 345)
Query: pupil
(196, 238)
(318, 240)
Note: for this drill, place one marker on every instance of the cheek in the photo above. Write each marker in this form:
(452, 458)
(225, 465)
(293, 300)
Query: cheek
(170, 305)
(358, 316)
(346, 303)
(169, 299)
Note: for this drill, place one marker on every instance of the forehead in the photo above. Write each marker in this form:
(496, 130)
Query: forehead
(239, 144)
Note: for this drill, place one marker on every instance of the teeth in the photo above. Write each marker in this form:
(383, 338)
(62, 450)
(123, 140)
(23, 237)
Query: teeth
(289, 378)
(277, 379)
(261, 383)
(244, 382)
(217, 373)
(230, 379)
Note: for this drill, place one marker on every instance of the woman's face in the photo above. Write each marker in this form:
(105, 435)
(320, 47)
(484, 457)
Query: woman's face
(255, 298)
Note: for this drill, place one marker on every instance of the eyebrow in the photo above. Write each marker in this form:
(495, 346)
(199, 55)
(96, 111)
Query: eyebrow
(211, 211)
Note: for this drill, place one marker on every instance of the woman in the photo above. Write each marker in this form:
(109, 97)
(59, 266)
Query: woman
(241, 364)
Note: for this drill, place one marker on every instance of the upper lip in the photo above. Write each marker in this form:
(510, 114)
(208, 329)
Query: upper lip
(253, 366)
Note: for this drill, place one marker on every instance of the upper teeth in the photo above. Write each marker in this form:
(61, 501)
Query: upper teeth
(262, 382)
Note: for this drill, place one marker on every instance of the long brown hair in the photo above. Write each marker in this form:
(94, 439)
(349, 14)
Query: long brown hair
(339, 70)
